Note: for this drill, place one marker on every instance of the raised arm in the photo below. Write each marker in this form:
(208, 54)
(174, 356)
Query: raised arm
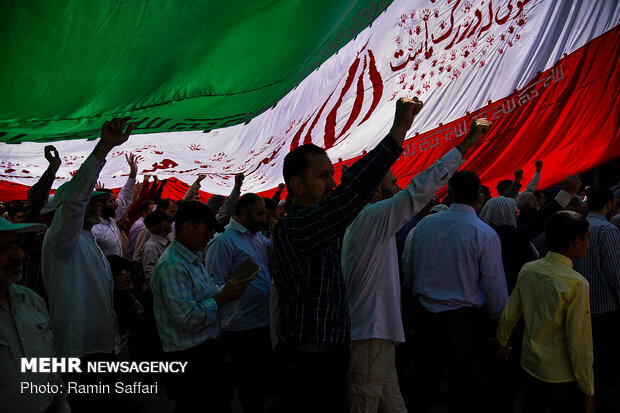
(277, 195)
(39, 192)
(391, 214)
(192, 191)
(320, 224)
(228, 209)
(534, 226)
(73, 197)
(533, 184)
(125, 196)
(513, 189)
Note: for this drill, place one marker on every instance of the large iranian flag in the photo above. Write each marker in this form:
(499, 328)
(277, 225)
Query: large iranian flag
(220, 88)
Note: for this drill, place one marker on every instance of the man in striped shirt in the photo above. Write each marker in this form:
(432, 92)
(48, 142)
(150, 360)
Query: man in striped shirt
(601, 267)
(314, 329)
(188, 311)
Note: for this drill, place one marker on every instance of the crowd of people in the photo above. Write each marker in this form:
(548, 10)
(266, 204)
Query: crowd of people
(357, 297)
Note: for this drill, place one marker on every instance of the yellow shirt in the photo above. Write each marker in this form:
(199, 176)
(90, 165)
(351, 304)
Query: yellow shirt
(554, 300)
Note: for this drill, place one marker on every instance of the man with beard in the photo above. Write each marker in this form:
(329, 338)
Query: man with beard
(247, 336)
(76, 273)
(106, 233)
(25, 331)
(601, 267)
(370, 269)
(314, 331)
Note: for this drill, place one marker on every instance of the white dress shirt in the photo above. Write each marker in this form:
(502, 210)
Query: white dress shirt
(76, 273)
(107, 234)
(370, 259)
(457, 262)
(226, 252)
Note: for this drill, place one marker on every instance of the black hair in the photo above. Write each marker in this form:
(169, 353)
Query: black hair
(155, 218)
(103, 198)
(144, 206)
(598, 197)
(270, 203)
(118, 264)
(246, 201)
(485, 190)
(464, 187)
(502, 186)
(296, 161)
(563, 227)
(164, 203)
(14, 209)
(193, 211)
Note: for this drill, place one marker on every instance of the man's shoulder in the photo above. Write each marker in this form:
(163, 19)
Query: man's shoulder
(29, 297)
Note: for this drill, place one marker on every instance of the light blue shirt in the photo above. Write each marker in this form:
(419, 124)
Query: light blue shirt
(457, 262)
(226, 252)
(185, 310)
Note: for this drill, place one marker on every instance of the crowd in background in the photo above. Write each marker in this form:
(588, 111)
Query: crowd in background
(360, 297)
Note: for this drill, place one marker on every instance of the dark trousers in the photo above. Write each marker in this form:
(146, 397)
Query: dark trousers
(201, 388)
(538, 396)
(251, 357)
(606, 343)
(449, 338)
(310, 382)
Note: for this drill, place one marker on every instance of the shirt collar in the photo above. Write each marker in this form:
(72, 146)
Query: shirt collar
(559, 258)
(185, 253)
(463, 208)
(596, 216)
(15, 295)
(234, 224)
(159, 239)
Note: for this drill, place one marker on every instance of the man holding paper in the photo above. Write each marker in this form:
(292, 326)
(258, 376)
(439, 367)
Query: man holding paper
(247, 336)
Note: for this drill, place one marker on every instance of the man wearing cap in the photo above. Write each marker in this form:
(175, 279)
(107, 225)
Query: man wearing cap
(76, 273)
(188, 306)
(106, 233)
(159, 224)
(25, 331)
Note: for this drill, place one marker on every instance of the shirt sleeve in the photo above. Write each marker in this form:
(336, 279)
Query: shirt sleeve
(192, 191)
(511, 314)
(176, 290)
(72, 199)
(124, 198)
(133, 214)
(149, 259)
(37, 196)
(218, 260)
(407, 260)
(314, 228)
(389, 215)
(610, 259)
(579, 337)
(143, 236)
(228, 209)
(533, 184)
(492, 277)
(512, 190)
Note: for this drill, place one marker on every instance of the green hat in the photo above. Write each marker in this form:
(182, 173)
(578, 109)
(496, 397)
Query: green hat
(20, 228)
